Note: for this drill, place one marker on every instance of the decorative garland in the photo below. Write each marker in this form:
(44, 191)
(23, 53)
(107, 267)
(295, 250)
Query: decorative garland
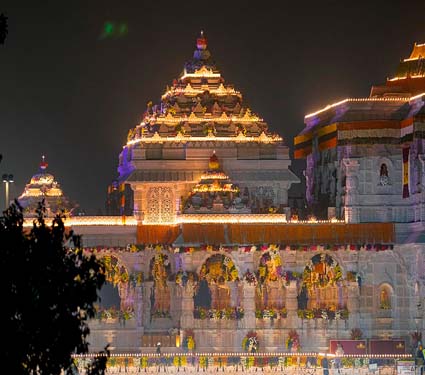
(250, 342)
(182, 277)
(270, 267)
(271, 313)
(219, 267)
(230, 313)
(293, 341)
(116, 273)
(204, 361)
(321, 271)
(327, 314)
(113, 313)
(132, 248)
(189, 340)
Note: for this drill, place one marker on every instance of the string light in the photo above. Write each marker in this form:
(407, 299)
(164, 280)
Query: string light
(390, 99)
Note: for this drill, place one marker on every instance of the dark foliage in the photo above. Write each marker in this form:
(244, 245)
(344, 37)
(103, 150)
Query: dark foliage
(3, 28)
(48, 293)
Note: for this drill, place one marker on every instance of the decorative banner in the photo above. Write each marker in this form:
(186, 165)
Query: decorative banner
(406, 172)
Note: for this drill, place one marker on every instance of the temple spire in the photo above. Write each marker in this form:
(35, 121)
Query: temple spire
(43, 164)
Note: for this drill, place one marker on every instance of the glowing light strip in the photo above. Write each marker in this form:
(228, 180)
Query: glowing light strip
(394, 99)
(240, 138)
(417, 96)
(241, 219)
(241, 354)
(193, 118)
(91, 221)
(195, 91)
(203, 74)
(405, 77)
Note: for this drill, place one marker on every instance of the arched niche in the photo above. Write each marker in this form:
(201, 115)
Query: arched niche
(322, 286)
(218, 286)
(117, 293)
(160, 297)
(270, 290)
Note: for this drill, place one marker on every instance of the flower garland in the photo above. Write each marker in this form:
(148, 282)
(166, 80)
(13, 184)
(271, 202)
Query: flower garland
(321, 271)
(113, 313)
(230, 313)
(270, 267)
(115, 273)
(250, 342)
(182, 277)
(135, 248)
(325, 313)
(271, 313)
(219, 267)
(189, 340)
(293, 341)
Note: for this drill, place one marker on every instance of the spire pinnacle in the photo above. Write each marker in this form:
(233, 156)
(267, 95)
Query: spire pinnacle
(43, 164)
(201, 42)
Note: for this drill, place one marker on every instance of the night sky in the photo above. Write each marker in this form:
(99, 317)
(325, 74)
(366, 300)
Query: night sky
(71, 94)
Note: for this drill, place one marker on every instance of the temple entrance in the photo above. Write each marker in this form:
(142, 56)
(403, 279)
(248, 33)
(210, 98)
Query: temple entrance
(160, 271)
(218, 286)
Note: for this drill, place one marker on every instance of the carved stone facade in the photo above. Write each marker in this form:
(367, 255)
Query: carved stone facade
(383, 294)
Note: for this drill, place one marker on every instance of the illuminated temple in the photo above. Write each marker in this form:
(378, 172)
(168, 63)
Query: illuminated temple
(215, 260)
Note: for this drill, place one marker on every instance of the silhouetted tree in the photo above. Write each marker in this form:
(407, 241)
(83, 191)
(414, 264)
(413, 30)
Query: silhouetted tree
(48, 292)
(3, 28)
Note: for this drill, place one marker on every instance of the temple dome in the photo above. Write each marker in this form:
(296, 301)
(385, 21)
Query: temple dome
(43, 185)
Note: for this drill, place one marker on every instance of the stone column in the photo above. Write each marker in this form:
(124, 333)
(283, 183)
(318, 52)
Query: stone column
(188, 306)
(353, 303)
(147, 290)
(291, 304)
(352, 209)
(248, 305)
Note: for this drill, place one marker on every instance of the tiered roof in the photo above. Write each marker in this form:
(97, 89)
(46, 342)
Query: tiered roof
(215, 192)
(44, 186)
(200, 106)
(409, 78)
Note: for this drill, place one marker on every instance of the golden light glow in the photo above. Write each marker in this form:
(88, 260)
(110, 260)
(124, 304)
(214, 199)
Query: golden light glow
(390, 99)
(405, 77)
(240, 138)
(189, 90)
(91, 221)
(169, 119)
(203, 72)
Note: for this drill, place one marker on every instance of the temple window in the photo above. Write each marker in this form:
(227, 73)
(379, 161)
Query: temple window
(160, 270)
(383, 175)
(385, 297)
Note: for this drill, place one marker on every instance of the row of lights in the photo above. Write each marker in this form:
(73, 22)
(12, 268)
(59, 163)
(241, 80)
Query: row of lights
(385, 99)
(188, 219)
(240, 138)
(220, 91)
(242, 354)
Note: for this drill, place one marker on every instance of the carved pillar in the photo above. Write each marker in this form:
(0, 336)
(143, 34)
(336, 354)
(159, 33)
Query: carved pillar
(138, 307)
(249, 305)
(147, 290)
(291, 304)
(187, 320)
(353, 303)
(352, 209)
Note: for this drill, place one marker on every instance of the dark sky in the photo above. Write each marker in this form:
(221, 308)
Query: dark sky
(68, 94)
